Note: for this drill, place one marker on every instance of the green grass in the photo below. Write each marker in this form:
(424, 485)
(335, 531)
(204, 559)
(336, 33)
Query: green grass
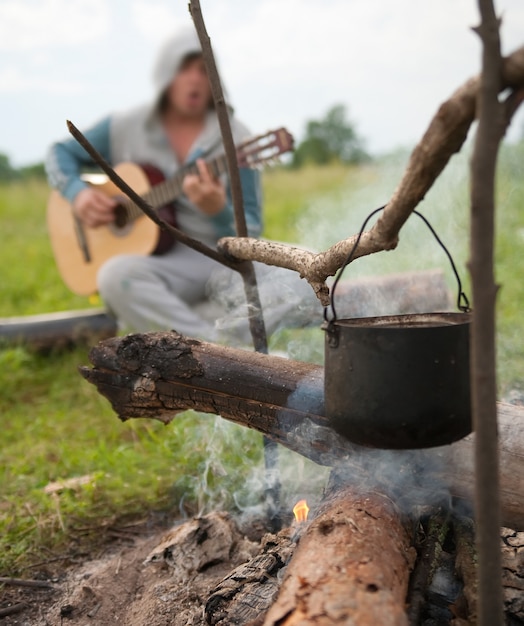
(55, 426)
(288, 193)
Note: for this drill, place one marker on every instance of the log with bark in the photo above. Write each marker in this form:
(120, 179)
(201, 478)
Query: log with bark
(352, 566)
(157, 375)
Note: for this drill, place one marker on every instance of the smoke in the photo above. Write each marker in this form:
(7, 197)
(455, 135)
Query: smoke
(329, 219)
(411, 478)
(287, 302)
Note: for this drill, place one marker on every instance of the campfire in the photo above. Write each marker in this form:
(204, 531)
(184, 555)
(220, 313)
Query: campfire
(394, 528)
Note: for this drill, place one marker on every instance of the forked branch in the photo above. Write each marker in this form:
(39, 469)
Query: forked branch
(445, 135)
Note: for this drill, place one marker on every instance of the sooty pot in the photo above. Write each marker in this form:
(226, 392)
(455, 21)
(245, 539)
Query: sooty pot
(399, 381)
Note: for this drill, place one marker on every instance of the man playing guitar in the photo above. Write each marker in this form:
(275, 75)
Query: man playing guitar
(158, 290)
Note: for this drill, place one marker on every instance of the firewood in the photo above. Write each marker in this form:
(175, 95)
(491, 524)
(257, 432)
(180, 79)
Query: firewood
(429, 550)
(351, 566)
(199, 543)
(157, 375)
(513, 572)
(512, 553)
(245, 595)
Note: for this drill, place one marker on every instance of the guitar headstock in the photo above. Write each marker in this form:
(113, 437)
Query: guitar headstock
(264, 148)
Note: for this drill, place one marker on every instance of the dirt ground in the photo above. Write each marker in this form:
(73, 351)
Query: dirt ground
(154, 578)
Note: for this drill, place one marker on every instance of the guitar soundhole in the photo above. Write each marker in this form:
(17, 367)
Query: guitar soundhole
(122, 223)
(121, 216)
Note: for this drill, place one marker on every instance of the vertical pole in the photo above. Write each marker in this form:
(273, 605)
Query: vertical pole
(256, 320)
(484, 393)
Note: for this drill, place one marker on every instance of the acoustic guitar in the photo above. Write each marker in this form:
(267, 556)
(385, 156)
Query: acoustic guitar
(79, 250)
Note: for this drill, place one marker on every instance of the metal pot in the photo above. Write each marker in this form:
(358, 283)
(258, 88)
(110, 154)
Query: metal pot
(399, 381)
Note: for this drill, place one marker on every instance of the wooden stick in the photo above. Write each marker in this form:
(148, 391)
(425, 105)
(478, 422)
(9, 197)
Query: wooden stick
(13, 609)
(490, 130)
(255, 315)
(178, 234)
(24, 582)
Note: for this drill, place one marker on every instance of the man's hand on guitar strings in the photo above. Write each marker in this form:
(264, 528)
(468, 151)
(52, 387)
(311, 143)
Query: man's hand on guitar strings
(204, 190)
(94, 208)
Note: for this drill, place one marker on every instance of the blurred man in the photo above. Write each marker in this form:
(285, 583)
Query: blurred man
(179, 127)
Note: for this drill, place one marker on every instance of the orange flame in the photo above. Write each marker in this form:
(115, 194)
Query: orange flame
(300, 511)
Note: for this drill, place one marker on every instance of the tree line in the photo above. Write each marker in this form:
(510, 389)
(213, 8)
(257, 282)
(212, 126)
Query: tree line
(8, 173)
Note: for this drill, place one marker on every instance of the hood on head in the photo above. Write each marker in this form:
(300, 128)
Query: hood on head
(170, 57)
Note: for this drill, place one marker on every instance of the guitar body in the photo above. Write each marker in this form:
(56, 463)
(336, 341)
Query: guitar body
(139, 236)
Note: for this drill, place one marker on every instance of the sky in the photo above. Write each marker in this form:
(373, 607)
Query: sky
(283, 62)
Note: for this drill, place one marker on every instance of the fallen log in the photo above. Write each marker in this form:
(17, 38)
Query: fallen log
(53, 331)
(156, 375)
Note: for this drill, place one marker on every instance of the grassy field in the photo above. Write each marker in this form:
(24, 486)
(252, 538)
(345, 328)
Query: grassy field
(56, 427)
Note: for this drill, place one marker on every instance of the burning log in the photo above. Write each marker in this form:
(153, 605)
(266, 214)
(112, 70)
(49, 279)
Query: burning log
(156, 375)
(352, 565)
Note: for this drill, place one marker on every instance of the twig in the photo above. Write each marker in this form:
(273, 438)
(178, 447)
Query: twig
(178, 234)
(23, 582)
(512, 103)
(11, 610)
(491, 127)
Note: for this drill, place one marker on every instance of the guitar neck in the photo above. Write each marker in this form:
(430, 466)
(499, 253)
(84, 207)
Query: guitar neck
(168, 190)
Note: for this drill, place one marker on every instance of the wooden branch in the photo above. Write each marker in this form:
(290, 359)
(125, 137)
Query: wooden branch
(256, 320)
(490, 130)
(14, 608)
(255, 315)
(445, 135)
(25, 582)
(158, 375)
(351, 566)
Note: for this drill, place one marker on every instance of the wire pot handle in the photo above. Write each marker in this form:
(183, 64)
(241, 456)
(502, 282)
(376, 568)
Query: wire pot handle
(462, 299)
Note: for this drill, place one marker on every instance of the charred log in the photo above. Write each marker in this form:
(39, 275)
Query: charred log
(246, 594)
(429, 550)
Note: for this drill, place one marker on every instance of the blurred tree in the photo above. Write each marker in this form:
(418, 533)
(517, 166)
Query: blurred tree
(36, 170)
(7, 172)
(333, 138)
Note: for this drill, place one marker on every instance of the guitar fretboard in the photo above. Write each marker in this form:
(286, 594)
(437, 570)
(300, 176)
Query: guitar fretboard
(165, 192)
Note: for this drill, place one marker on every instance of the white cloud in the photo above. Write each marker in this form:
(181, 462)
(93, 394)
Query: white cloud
(30, 24)
(13, 81)
(284, 61)
(156, 19)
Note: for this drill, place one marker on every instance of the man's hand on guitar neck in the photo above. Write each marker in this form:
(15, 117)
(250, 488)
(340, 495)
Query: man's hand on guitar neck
(94, 208)
(204, 190)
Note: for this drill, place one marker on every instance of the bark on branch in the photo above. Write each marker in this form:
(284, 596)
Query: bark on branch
(444, 137)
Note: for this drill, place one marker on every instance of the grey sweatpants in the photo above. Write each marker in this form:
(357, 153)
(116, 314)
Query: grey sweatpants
(185, 291)
(148, 293)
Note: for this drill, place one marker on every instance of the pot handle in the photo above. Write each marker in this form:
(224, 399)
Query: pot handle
(462, 299)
